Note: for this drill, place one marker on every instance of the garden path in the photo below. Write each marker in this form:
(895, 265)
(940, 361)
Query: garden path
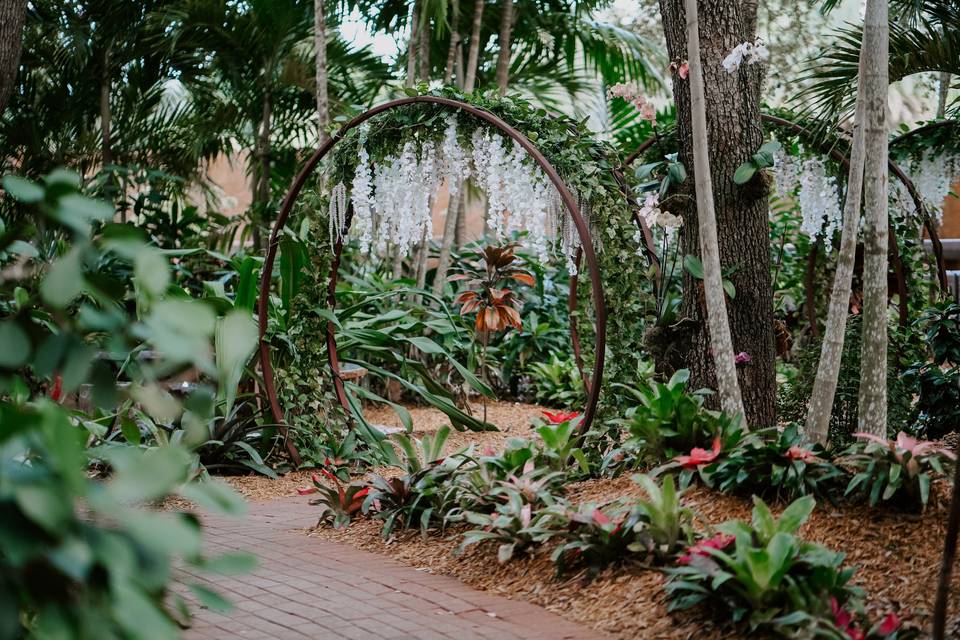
(309, 588)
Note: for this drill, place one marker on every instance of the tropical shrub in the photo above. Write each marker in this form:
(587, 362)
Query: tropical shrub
(761, 573)
(82, 555)
(938, 379)
(774, 464)
(557, 383)
(898, 471)
(558, 443)
(668, 420)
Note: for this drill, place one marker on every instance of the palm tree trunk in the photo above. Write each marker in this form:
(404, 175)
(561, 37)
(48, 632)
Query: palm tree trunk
(503, 56)
(942, 93)
(458, 64)
(13, 14)
(473, 57)
(424, 42)
(872, 408)
(320, 44)
(421, 258)
(106, 143)
(262, 191)
(454, 42)
(719, 327)
(828, 370)
(412, 45)
(446, 244)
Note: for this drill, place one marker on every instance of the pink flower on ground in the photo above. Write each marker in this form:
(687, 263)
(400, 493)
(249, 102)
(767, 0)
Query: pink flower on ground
(700, 456)
(890, 624)
(560, 417)
(742, 358)
(799, 453)
(718, 542)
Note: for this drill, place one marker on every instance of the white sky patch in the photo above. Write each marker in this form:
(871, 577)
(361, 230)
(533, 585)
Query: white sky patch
(356, 33)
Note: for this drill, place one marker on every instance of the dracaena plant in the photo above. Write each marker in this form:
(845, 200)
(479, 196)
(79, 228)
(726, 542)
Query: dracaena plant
(338, 503)
(898, 471)
(762, 574)
(487, 293)
(774, 464)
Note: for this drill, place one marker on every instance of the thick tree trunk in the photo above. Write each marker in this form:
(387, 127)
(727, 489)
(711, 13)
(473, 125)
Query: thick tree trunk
(13, 14)
(503, 56)
(473, 58)
(412, 45)
(446, 243)
(320, 44)
(872, 409)
(716, 309)
(424, 42)
(949, 557)
(734, 133)
(828, 370)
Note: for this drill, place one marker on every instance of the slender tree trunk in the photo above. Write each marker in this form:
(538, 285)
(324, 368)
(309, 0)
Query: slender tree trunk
(262, 191)
(942, 93)
(424, 41)
(460, 236)
(446, 243)
(320, 44)
(828, 370)
(458, 65)
(421, 257)
(720, 338)
(949, 557)
(872, 409)
(412, 45)
(454, 42)
(741, 212)
(106, 143)
(503, 56)
(13, 14)
(473, 58)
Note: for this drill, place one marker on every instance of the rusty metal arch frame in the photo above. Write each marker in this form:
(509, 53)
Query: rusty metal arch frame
(583, 231)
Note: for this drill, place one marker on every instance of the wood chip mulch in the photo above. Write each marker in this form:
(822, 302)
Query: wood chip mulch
(897, 554)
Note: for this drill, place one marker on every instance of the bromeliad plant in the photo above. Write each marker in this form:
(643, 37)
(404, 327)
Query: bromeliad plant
(338, 504)
(898, 471)
(762, 574)
(559, 442)
(668, 421)
(774, 464)
(652, 529)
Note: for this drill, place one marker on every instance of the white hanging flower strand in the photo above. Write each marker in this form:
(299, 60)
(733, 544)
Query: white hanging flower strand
(746, 52)
(819, 199)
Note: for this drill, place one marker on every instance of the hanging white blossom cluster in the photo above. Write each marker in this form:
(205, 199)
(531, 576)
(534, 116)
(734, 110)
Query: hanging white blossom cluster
(819, 199)
(786, 173)
(933, 175)
(392, 201)
(746, 52)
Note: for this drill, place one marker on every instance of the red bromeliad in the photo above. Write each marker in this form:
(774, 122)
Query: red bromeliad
(700, 456)
(718, 542)
(560, 417)
(799, 453)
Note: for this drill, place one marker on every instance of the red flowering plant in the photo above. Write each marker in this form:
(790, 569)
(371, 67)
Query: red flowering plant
(898, 471)
(559, 444)
(338, 503)
(763, 575)
(669, 422)
(774, 463)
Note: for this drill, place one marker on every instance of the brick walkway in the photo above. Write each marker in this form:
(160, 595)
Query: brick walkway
(309, 588)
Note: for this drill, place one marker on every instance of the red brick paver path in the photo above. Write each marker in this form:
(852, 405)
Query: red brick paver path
(309, 588)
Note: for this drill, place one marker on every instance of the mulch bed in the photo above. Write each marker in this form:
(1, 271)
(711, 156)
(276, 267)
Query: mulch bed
(897, 554)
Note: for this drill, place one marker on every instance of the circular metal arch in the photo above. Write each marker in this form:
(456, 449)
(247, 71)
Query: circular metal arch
(583, 231)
